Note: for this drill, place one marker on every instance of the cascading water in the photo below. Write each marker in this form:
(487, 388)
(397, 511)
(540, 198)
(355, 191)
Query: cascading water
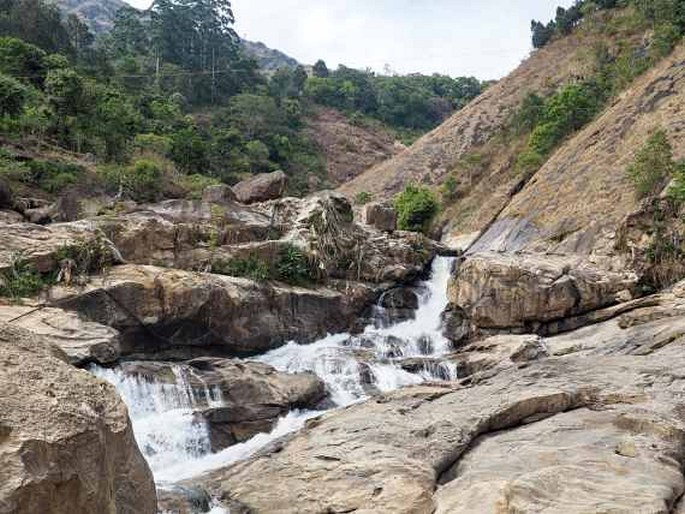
(378, 350)
(176, 442)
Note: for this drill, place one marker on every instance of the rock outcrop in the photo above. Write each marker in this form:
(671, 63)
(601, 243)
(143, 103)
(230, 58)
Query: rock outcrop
(83, 342)
(595, 429)
(247, 397)
(380, 215)
(261, 188)
(174, 314)
(254, 396)
(523, 292)
(66, 443)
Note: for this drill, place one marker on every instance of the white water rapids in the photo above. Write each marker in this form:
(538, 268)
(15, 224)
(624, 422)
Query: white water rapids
(175, 441)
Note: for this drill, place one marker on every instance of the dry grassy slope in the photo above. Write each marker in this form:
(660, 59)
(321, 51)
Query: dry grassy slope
(349, 149)
(431, 157)
(577, 200)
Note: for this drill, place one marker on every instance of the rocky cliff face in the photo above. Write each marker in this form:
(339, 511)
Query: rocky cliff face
(66, 443)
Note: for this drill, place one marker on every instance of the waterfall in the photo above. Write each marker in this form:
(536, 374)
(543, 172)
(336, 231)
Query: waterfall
(337, 359)
(175, 441)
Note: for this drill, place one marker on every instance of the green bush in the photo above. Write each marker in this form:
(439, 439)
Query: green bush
(251, 267)
(85, 257)
(53, 176)
(13, 96)
(153, 143)
(141, 181)
(449, 188)
(194, 185)
(677, 190)
(416, 207)
(564, 112)
(363, 197)
(294, 267)
(653, 165)
(529, 161)
(21, 280)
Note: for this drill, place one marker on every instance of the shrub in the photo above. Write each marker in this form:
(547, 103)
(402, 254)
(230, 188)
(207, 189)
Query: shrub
(677, 190)
(153, 143)
(528, 114)
(53, 176)
(363, 197)
(194, 185)
(653, 165)
(251, 267)
(21, 280)
(293, 266)
(529, 161)
(666, 36)
(84, 257)
(416, 207)
(449, 188)
(13, 96)
(140, 182)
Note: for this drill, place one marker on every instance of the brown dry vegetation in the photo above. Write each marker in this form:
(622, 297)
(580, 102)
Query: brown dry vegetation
(349, 149)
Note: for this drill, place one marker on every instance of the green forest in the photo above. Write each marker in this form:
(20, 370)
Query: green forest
(162, 115)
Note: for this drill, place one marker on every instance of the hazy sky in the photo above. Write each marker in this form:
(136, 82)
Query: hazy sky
(484, 38)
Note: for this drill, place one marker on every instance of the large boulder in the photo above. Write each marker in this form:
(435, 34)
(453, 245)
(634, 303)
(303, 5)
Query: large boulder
(247, 398)
(173, 314)
(595, 430)
(261, 188)
(219, 193)
(254, 395)
(66, 443)
(523, 292)
(324, 225)
(380, 215)
(83, 342)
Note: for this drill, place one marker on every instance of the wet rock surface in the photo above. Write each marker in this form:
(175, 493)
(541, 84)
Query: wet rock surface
(66, 443)
(247, 398)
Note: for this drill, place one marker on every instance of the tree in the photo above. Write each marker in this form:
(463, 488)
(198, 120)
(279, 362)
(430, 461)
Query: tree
(115, 122)
(320, 69)
(416, 207)
(128, 35)
(13, 95)
(299, 79)
(79, 35)
(36, 22)
(653, 165)
(541, 33)
(21, 59)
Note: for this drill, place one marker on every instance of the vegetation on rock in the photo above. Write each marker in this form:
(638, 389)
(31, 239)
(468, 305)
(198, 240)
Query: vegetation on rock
(416, 207)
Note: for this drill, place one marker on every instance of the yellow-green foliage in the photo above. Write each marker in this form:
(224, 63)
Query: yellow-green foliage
(653, 165)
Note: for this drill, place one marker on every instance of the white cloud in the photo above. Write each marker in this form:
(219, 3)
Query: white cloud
(486, 38)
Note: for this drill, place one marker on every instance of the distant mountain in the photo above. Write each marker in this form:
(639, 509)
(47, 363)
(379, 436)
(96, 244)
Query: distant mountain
(269, 60)
(99, 14)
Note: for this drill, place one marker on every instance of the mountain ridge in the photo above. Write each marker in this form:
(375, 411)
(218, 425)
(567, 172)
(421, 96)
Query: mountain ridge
(99, 15)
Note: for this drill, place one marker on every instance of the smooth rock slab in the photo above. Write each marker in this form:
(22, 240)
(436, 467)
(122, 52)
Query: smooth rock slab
(580, 433)
(82, 341)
